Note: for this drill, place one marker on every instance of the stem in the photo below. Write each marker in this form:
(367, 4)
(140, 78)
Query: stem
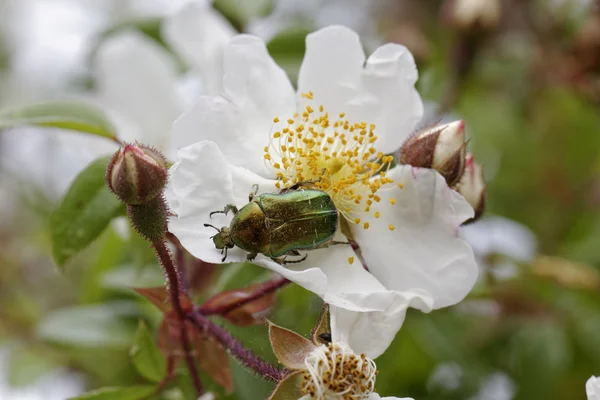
(174, 289)
(242, 354)
(263, 289)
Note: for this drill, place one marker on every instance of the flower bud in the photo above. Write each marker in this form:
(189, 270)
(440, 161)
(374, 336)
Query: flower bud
(472, 186)
(441, 148)
(472, 15)
(136, 174)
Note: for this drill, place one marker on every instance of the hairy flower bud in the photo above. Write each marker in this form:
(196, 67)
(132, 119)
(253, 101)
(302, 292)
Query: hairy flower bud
(136, 174)
(472, 15)
(441, 148)
(472, 186)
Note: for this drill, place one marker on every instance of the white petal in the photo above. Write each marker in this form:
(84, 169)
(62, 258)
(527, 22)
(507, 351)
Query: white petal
(375, 396)
(256, 90)
(388, 97)
(592, 388)
(200, 34)
(203, 181)
(372, 332)
(382, 93)
(423, 252)
(332, 67)
(137, 79)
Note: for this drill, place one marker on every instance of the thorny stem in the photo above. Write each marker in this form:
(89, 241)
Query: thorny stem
(174, 289)
(263, 289)
(235, 348)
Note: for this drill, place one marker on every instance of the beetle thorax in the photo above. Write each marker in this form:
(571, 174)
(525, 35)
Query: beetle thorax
(331, 154)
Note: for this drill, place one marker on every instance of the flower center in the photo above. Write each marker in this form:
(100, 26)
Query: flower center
(333, 155)
(334, 371)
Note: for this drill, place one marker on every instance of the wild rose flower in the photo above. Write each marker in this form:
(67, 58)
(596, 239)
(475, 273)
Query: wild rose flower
(335, 133)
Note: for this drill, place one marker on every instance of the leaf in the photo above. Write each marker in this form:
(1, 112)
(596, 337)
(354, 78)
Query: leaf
(288, 388)
(290, 348)
(160, 298)
(117, 393)
(147, 359)
(321, 331)
(91, 326)
(253, 312)
(84, 212)
(27, 364)
(211, 356)
(71, 115)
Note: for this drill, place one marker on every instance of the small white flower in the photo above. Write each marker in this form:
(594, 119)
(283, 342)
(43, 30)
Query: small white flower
(321, 371)
(592, 388)
(354, 110)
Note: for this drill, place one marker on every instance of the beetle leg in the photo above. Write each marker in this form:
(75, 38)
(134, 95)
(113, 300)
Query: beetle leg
(225, 256)
(284, 260)
(338, 242)
(253, 192)
(228, 207)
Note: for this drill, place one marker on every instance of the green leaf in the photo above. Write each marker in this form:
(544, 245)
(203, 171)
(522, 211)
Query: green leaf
(117, 393)
(83, 213)
(102, 325)
(147, 359)
(75, 116)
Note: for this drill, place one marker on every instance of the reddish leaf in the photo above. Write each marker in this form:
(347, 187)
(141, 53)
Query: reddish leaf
(160, 298)
(290, 348)
(288, 388)
(321, 330)
(249, 312)
(211, 356)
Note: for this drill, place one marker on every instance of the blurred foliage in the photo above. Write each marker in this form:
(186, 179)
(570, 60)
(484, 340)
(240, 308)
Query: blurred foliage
(534, 124)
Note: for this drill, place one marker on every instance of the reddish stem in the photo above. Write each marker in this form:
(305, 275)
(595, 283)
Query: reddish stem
(263, 289)
(235, 348)
(174, 289)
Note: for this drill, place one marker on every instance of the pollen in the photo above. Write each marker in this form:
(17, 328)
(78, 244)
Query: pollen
(334, 371)
(350, 260)
(366, 225)
(330, 153)
(392, 201)
(391, 227)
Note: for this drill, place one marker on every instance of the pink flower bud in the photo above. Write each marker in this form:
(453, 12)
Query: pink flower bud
(136, 174)
(441, 148)
(472, 186)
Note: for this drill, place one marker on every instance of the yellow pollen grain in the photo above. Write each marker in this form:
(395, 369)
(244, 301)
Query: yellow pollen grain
(267, 156)
(276, 119)
(393, 201)
(377, 214)
(401, 186)
(350, 260)
(357, 220)
(366, 225)
(391, 227)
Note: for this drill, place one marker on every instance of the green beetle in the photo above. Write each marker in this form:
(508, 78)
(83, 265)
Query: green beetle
(279, 224)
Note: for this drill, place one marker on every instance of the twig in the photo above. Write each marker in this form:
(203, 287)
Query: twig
(174, 289)
(235, 348)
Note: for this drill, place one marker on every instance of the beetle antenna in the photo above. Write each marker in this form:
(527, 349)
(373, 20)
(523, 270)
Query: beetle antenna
(212, 226)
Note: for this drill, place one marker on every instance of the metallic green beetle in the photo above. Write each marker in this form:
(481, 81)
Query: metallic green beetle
(279, 224)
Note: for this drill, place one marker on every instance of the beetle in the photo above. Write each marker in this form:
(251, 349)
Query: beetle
(279, 224)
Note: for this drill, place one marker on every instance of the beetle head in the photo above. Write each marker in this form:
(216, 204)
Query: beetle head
(222, 240)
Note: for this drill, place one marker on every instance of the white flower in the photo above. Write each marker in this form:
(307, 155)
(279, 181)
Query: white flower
(321, 371)
(410, 247)
(592, 388)
(138, 80)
